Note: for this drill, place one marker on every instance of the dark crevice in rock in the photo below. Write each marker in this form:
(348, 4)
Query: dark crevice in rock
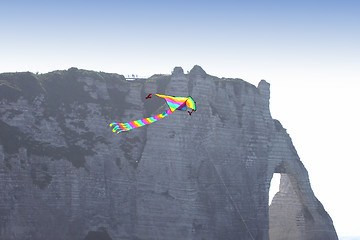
(101, 234)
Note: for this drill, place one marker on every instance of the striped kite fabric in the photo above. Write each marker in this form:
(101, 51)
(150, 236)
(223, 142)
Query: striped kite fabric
(174, 103)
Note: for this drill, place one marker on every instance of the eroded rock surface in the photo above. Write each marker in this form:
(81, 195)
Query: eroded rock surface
(65, 175)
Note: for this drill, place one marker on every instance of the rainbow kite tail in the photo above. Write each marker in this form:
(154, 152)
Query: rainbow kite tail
(120, 127)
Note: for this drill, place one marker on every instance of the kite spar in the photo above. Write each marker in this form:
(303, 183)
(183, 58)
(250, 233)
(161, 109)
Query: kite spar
(174, 103)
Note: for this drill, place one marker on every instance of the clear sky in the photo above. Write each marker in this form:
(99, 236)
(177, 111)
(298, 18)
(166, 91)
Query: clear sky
(309, 51)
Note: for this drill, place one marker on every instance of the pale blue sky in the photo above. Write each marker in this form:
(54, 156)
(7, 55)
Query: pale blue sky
(308, 51)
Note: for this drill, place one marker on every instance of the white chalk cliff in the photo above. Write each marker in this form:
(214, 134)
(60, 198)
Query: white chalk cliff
(65, 175)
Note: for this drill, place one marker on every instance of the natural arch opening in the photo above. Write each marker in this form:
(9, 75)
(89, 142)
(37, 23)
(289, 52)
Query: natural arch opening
(274, 186)
(286, 213)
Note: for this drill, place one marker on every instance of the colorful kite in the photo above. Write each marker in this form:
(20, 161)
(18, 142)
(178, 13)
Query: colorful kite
(175, 103)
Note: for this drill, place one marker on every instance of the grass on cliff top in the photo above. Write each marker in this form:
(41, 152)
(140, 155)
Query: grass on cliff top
(14, 85)
(9, 84)
(156, 77)
(81, 73)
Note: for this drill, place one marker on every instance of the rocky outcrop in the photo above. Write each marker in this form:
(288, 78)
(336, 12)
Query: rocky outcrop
(65, 175)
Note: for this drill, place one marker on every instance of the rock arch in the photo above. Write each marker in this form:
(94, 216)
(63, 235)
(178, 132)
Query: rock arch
(295, 212)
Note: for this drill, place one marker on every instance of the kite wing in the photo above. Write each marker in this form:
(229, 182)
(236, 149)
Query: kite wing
(190, 103)
(174, 103)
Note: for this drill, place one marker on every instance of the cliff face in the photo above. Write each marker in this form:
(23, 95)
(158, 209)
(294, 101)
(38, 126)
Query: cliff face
(65, 175)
